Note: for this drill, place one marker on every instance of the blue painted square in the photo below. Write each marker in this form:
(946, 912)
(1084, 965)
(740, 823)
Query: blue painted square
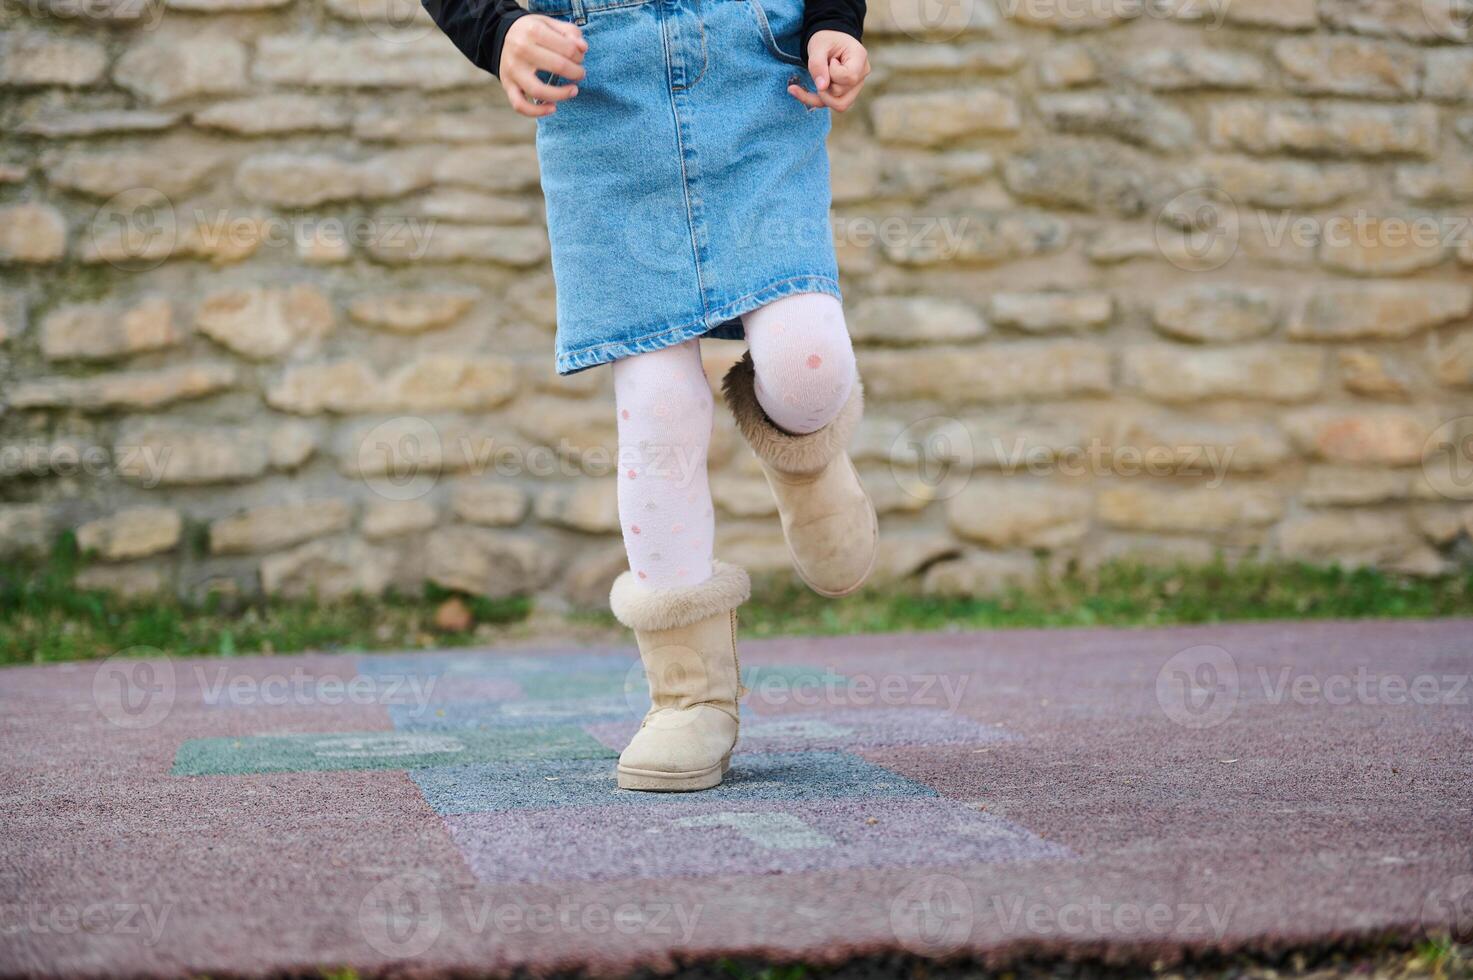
(792, 777)
(571, 684)
(490, 664)
(512, 714)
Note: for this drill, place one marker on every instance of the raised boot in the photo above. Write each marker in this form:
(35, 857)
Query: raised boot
(687, 641)
(827, 517)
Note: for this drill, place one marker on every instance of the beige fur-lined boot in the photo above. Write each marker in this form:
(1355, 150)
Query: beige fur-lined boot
(827, 517)
(687, 640)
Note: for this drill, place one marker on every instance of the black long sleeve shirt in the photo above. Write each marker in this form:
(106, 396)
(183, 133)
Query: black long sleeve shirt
(478, 27)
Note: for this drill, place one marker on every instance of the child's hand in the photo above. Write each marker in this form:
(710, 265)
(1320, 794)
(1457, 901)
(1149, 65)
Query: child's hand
(536, 43)
(839, 65)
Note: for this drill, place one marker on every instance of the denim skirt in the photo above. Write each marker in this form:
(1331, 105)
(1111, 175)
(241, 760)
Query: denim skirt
(684, 185)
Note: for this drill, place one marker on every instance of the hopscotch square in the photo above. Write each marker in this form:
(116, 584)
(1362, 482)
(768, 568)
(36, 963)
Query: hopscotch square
(702, 837)
(508, 714)
(462, 664)
(338, 751)
(787, 777)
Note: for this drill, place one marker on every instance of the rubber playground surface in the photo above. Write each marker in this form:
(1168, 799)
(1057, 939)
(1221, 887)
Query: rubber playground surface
(1128, 794)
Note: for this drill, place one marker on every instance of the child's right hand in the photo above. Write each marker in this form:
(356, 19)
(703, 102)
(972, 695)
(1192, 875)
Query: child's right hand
(536, 43)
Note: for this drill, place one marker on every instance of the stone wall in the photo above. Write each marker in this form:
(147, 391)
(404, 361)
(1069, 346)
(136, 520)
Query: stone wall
(1163, 279)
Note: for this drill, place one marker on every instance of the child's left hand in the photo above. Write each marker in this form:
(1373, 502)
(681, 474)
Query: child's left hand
(839, 65)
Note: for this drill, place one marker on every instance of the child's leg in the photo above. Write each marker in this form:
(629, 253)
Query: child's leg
(796, 399)
(664, 407)
(803, 360)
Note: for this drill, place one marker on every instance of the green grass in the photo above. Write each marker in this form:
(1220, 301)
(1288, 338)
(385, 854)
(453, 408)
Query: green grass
(1124, 595)
(44, 617)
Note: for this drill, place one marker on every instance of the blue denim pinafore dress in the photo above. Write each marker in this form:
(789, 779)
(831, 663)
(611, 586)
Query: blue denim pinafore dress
(684, 185)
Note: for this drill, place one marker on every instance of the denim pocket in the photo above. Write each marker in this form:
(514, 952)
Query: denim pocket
(765, 29)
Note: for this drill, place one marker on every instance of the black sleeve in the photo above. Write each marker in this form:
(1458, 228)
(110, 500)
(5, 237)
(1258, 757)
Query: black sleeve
(846, 16)
(477, 27)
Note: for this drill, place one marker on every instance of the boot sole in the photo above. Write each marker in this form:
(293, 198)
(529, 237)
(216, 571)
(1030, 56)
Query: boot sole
(649, 780)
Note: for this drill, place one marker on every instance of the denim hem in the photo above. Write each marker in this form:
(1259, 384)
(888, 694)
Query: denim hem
(721, 322)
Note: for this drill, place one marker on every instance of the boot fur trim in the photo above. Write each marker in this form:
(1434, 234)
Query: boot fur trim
(641, 608)
(781, 450)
